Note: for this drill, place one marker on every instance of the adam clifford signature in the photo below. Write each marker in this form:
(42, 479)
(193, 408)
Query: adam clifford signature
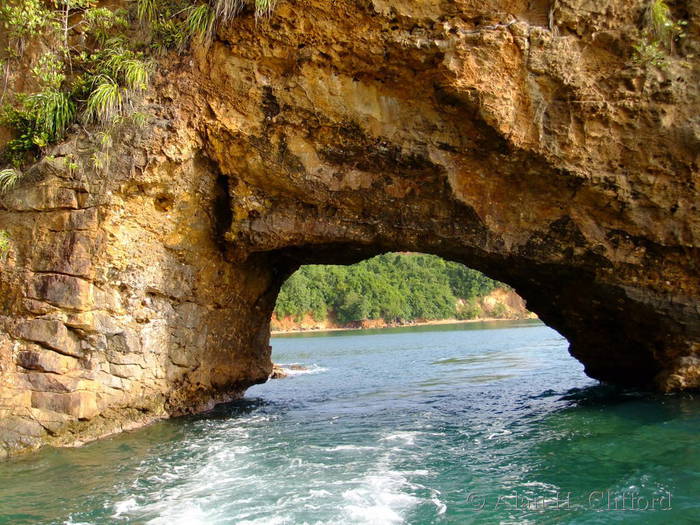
(596, 500)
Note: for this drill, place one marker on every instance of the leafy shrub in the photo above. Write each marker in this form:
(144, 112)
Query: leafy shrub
(649, 53)
(40, 119)
(101, 22)
(661, 26)
(107, 70)
(659, 35)
(499, 311)
(23, 20)
(469, 310)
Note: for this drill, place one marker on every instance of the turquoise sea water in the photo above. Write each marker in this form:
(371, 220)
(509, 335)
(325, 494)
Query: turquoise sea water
(479, 423)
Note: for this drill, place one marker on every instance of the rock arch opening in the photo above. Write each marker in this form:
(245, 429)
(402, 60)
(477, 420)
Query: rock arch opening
(394, 289)
(600, 334)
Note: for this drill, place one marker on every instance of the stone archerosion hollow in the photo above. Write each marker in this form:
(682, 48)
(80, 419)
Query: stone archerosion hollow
(514, 136)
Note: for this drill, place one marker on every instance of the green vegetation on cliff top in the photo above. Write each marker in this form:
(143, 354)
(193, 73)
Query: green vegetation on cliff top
(393, 287)
(90, 63)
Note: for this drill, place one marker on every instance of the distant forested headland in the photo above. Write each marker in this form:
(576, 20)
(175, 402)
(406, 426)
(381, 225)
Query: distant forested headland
(394, 288)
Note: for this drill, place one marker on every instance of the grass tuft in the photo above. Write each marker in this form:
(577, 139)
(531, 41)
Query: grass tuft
(9, 178)
(146, 10)
(264, 7)
(54, 112)
(105, 101)
(225, 10)
(201, 22)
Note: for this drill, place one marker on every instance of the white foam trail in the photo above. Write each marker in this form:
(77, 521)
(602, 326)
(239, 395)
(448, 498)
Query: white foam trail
(340, 448)
(503, 432)
(182, 515)
(123, 507)
(319, 493)
(408, 438)
(379, 500)
(277, 520)
(439, 505)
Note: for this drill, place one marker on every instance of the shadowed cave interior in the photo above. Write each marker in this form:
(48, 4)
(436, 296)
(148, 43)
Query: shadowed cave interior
(628, 365)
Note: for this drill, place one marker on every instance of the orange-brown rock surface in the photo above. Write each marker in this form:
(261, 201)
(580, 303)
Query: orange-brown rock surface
(514, 136)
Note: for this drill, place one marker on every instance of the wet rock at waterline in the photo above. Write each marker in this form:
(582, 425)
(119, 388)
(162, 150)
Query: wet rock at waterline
(284, 371)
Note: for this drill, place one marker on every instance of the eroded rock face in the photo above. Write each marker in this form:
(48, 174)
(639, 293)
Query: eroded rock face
(513, 136)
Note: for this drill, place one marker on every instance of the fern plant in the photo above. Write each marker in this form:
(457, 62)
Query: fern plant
(100, 23)
(114, 75)
(228, 9)
(97, 75)
(200, 21)
(40, 119)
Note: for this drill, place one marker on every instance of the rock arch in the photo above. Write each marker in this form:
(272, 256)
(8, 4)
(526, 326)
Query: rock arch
(516, 140)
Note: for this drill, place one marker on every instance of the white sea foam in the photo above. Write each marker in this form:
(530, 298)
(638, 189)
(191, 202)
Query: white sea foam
(379, 500)
(319, 493)
(125, 506)
(308, 369)
(441, 508)
(277, 520)
(500, 433)
(341, 448)
(407, 437)
(188, 514)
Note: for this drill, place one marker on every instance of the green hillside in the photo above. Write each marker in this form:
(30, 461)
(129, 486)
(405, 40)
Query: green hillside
(393, 287)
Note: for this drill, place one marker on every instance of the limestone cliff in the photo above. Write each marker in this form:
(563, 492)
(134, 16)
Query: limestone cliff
(515, 136)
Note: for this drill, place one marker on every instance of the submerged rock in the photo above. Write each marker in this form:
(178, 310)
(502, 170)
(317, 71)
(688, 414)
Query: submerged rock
(278, 372)
(282, 371)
